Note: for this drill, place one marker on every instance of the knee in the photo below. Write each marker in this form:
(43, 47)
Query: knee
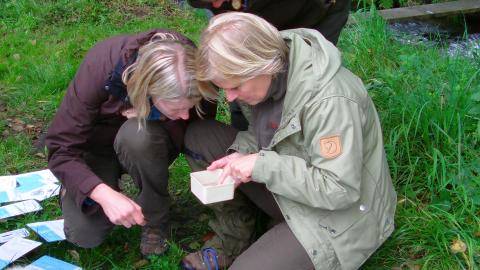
(84, 238)
(132, 139)
(198, 130)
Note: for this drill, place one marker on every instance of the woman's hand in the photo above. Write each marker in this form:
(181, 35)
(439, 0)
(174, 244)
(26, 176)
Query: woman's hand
(221, 163)
(119, 209)
(236, 165)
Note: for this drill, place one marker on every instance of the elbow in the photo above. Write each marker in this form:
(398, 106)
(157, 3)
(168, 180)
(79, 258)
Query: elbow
(340, 200)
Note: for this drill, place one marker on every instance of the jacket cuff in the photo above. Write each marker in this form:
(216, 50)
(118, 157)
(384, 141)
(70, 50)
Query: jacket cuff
(244, 144)
(262, 167)
(82, 195)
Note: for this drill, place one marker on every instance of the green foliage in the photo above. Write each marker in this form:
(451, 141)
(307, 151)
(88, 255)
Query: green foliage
(427, 103)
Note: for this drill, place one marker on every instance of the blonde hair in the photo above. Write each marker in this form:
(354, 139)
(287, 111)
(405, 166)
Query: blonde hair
(239, 46)
(164, 68)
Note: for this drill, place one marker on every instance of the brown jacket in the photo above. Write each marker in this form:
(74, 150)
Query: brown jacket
(90, 114)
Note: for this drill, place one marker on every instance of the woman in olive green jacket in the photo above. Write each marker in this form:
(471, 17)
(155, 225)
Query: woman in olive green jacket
(315, 143)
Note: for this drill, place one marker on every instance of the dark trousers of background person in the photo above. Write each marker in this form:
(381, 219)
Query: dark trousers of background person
(145, 155)
(234, 223)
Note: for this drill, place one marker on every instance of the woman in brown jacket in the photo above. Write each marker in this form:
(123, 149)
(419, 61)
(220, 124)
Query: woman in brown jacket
(125, 111)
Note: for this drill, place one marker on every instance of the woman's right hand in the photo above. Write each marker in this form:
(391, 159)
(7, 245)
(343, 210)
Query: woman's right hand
(222, 163)
(119, 209)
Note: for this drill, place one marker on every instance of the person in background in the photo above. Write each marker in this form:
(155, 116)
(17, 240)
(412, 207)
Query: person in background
(312, 158)
(326, 16)
(125, 111)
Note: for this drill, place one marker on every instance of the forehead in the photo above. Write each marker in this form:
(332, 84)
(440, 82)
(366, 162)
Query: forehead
(226, 83)
(177, 103)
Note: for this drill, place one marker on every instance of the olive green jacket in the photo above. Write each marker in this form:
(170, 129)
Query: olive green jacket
(326, 163)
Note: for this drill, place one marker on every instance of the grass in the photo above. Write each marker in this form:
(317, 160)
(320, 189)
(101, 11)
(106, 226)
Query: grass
(430, 121)
(429, 105)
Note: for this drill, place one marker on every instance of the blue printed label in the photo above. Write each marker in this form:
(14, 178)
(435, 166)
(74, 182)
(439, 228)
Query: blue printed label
(3, 197)
(3, 213)
(3, 264)
(46, 233)
(50, 263)
(29, 182)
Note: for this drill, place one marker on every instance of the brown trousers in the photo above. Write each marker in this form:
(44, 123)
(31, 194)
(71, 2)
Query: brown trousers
(145, 155)
(235, 220)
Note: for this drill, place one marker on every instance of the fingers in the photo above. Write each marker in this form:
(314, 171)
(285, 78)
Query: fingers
(224, 175)
(218, 164)
(236, 165)
(241, 169)
(133, 218)
(125, 212)
(138, 215)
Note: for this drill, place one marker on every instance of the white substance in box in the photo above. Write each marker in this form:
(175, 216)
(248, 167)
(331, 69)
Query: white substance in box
(204, 184)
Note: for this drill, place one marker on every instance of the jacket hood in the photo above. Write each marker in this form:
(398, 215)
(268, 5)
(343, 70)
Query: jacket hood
(313, 62)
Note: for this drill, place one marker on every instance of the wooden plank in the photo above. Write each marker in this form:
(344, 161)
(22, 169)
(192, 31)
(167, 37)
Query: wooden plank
(428, 11)
(431, 10)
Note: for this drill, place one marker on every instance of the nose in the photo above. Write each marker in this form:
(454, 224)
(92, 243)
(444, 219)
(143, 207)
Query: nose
(217, 3)
(184, 115)
(230, 95)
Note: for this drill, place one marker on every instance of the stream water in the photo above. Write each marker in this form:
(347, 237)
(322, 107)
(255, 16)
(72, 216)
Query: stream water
(454, 40)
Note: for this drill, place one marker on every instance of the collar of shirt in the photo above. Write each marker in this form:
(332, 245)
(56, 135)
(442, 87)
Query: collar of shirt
(278, 87)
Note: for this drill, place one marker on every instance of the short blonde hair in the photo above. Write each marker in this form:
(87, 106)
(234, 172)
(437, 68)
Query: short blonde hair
(164, 68)
(239, 46)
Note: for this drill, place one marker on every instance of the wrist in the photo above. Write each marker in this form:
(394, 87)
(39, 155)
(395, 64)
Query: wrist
(98, 192)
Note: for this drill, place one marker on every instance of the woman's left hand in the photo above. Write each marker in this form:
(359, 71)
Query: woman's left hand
(239, 169)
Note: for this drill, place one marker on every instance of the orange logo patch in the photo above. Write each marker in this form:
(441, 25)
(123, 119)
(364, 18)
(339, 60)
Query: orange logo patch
(330, 147)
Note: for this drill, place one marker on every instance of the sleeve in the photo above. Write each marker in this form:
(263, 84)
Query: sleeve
(330, 176)
(68, 133)
(245, 142)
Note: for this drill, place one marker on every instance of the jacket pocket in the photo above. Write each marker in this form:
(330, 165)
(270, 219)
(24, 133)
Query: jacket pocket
(338, 221)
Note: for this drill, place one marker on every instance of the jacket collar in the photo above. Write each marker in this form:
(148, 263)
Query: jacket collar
(313, 62)
(114, 85)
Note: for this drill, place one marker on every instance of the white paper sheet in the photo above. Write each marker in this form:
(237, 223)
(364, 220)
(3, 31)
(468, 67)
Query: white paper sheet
(7, 236)
(14, 249)
(50, 263)
(37, 185)
(51, 231)
(7, 183)
(19, 208)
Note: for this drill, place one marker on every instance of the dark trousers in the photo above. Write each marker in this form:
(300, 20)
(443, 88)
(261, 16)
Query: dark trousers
(235, 220)
(145, 155)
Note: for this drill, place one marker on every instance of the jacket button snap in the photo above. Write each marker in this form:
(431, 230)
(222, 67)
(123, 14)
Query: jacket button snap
(314, 252)
(262, 154)
(363, 207)
(107, 87)
(293, 126)
(287, 217)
